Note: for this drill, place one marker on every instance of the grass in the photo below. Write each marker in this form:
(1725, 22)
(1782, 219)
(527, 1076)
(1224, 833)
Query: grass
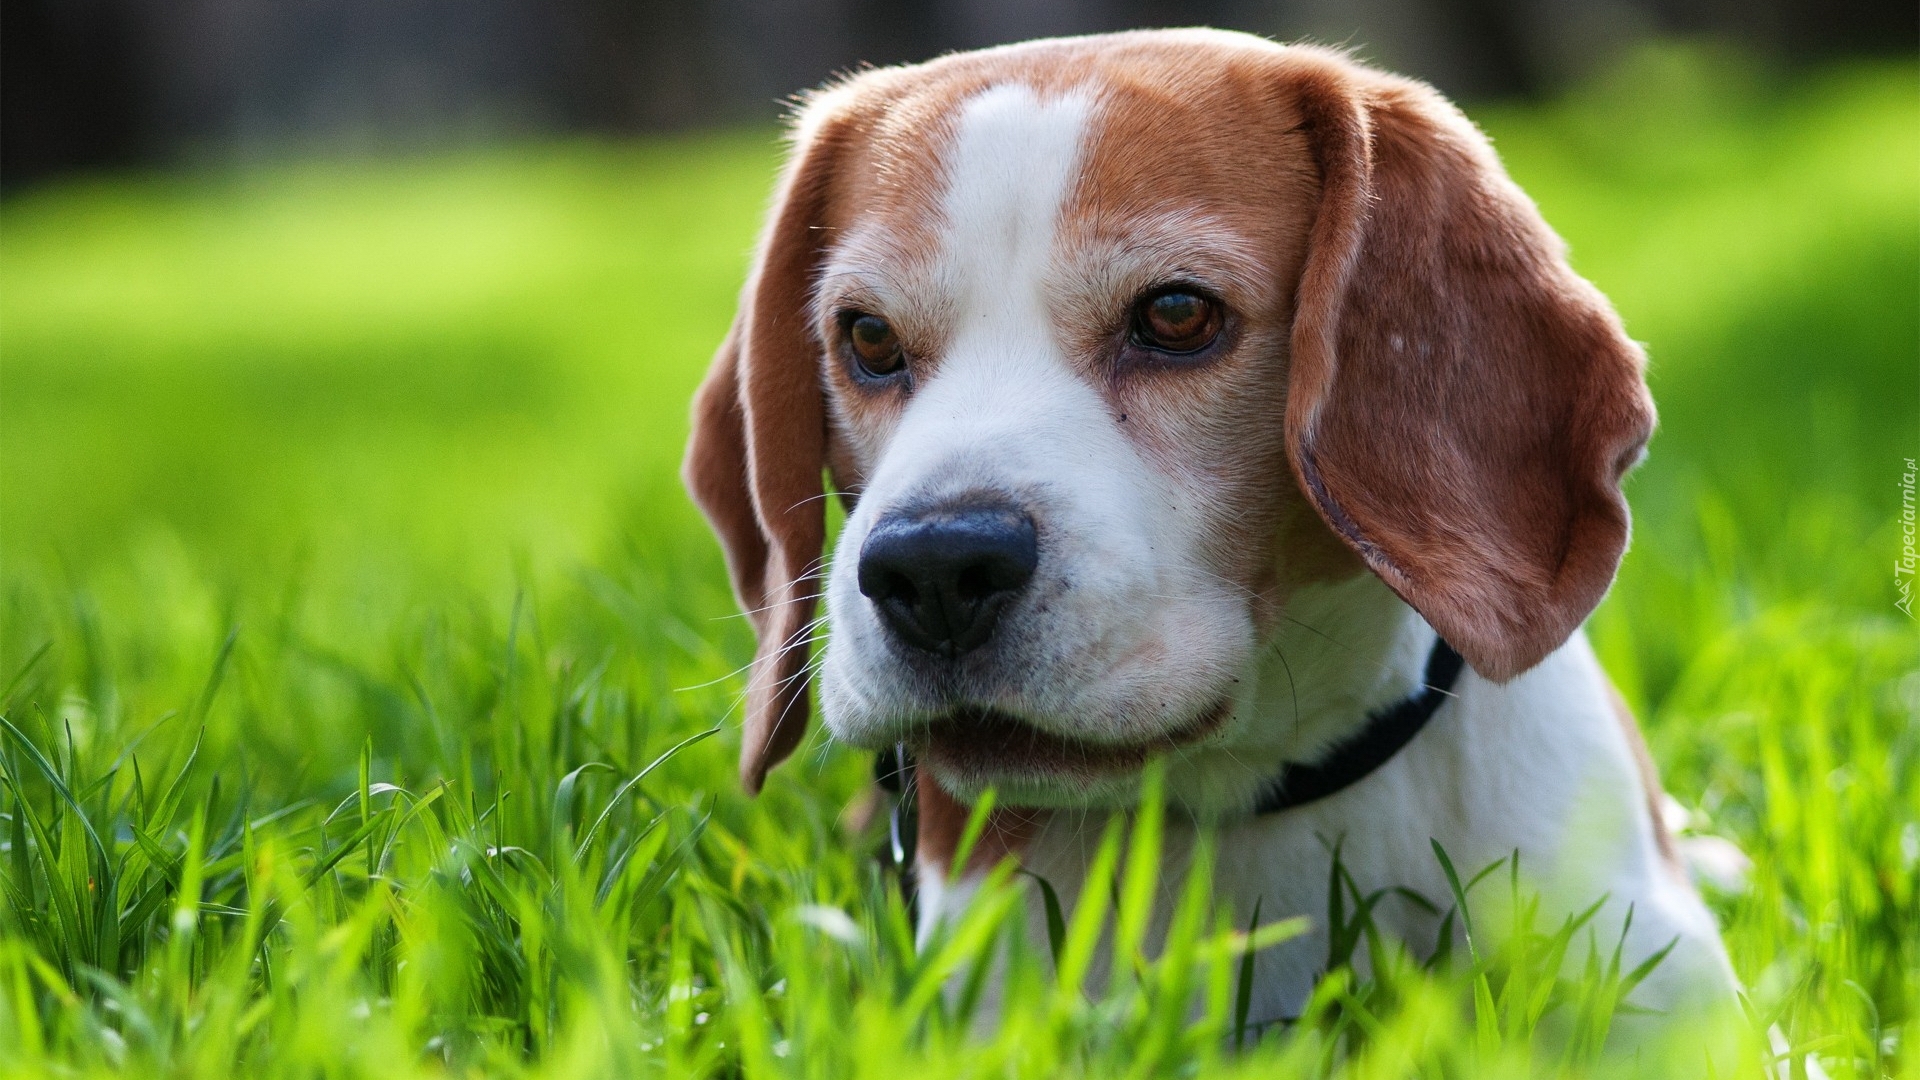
(347, 598)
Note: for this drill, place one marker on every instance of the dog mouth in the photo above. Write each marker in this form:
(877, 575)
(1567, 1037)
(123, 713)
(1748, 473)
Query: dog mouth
(986, 746)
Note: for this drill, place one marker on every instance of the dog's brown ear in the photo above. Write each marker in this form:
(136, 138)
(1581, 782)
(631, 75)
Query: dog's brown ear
(1462, 406)
(754, 462)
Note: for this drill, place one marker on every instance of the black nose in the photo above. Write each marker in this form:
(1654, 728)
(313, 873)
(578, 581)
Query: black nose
(939, 577)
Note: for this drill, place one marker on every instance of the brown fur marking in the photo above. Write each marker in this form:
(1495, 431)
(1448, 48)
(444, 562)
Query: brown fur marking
(943, 820)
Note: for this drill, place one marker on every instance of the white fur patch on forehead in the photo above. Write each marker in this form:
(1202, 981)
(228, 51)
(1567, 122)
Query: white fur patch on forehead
(1012, 165)
(1008, 167)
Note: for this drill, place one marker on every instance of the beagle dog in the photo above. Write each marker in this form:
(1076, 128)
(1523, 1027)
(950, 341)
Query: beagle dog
(1196, 399)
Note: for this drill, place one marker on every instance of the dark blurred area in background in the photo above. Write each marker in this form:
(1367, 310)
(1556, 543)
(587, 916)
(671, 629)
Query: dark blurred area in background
(91, 84)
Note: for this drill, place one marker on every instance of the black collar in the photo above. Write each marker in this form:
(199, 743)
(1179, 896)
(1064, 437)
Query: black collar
(1388, 730)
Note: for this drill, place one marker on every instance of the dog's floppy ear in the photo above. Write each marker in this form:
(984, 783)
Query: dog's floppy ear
(1461, 405)
(758, 446)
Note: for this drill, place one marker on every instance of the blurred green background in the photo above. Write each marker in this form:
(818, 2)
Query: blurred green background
(344, 394)
(385, 380)
(376, 417)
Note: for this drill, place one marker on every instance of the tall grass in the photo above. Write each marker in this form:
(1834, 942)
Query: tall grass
(368, 685)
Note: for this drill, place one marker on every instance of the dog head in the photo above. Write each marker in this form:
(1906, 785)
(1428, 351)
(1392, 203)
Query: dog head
(1109, 345)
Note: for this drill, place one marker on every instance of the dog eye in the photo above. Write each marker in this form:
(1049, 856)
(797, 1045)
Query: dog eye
(876, 348)
(1176, 321)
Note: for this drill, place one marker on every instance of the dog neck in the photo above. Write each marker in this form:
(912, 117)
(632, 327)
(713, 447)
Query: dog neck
(1337, 653)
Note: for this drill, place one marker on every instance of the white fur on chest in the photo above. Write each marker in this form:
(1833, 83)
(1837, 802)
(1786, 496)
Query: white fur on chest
(1538, 766)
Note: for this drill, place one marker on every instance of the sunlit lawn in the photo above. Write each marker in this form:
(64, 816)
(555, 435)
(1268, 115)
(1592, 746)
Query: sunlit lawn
(339, 531)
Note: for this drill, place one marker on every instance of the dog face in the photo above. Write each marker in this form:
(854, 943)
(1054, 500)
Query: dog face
(1087, 369)
(1110, 344)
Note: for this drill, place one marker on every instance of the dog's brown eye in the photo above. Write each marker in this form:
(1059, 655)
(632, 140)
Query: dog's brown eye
(1177, 321)
(875, 346)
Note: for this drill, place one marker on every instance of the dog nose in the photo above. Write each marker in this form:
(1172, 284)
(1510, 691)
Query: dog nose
(939, 577)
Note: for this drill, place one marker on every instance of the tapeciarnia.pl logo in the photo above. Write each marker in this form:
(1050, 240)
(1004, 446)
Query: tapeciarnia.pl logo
(1904, 566)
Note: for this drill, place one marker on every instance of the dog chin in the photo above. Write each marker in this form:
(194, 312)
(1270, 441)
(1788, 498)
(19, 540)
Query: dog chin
(971, 750)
